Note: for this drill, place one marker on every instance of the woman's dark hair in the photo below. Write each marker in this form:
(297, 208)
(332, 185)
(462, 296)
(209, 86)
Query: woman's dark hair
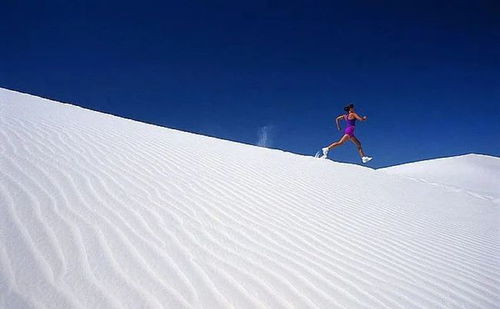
(348, 107)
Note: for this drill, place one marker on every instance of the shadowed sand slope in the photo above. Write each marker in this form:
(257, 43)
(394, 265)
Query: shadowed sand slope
(98, 211)
(476, 173)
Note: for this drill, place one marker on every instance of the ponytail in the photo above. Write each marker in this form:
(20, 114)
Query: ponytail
(348, 107)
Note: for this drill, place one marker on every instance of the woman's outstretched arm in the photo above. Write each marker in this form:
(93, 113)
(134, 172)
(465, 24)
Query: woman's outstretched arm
(360, 118)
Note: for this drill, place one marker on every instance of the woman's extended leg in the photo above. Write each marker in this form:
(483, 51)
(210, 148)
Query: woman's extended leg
(356, 141)
(340, 142)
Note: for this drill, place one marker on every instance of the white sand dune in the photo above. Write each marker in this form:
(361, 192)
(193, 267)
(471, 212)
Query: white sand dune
(98, 211)
(471, 172)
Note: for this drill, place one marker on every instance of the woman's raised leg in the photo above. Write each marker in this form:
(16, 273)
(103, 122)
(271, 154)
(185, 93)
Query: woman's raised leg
(356, 141)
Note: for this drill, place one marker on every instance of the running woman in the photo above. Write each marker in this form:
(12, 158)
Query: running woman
(350, 118)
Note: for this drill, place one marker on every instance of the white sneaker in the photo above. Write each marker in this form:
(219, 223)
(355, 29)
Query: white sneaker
(366, 159)
(325, 152)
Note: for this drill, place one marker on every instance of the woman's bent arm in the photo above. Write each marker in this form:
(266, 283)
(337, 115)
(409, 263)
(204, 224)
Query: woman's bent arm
(337, 121)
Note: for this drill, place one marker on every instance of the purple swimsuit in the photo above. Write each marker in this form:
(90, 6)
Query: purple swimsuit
(351, 125)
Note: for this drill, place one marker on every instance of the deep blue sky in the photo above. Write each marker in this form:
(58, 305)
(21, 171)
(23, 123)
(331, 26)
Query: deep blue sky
(427, 74)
